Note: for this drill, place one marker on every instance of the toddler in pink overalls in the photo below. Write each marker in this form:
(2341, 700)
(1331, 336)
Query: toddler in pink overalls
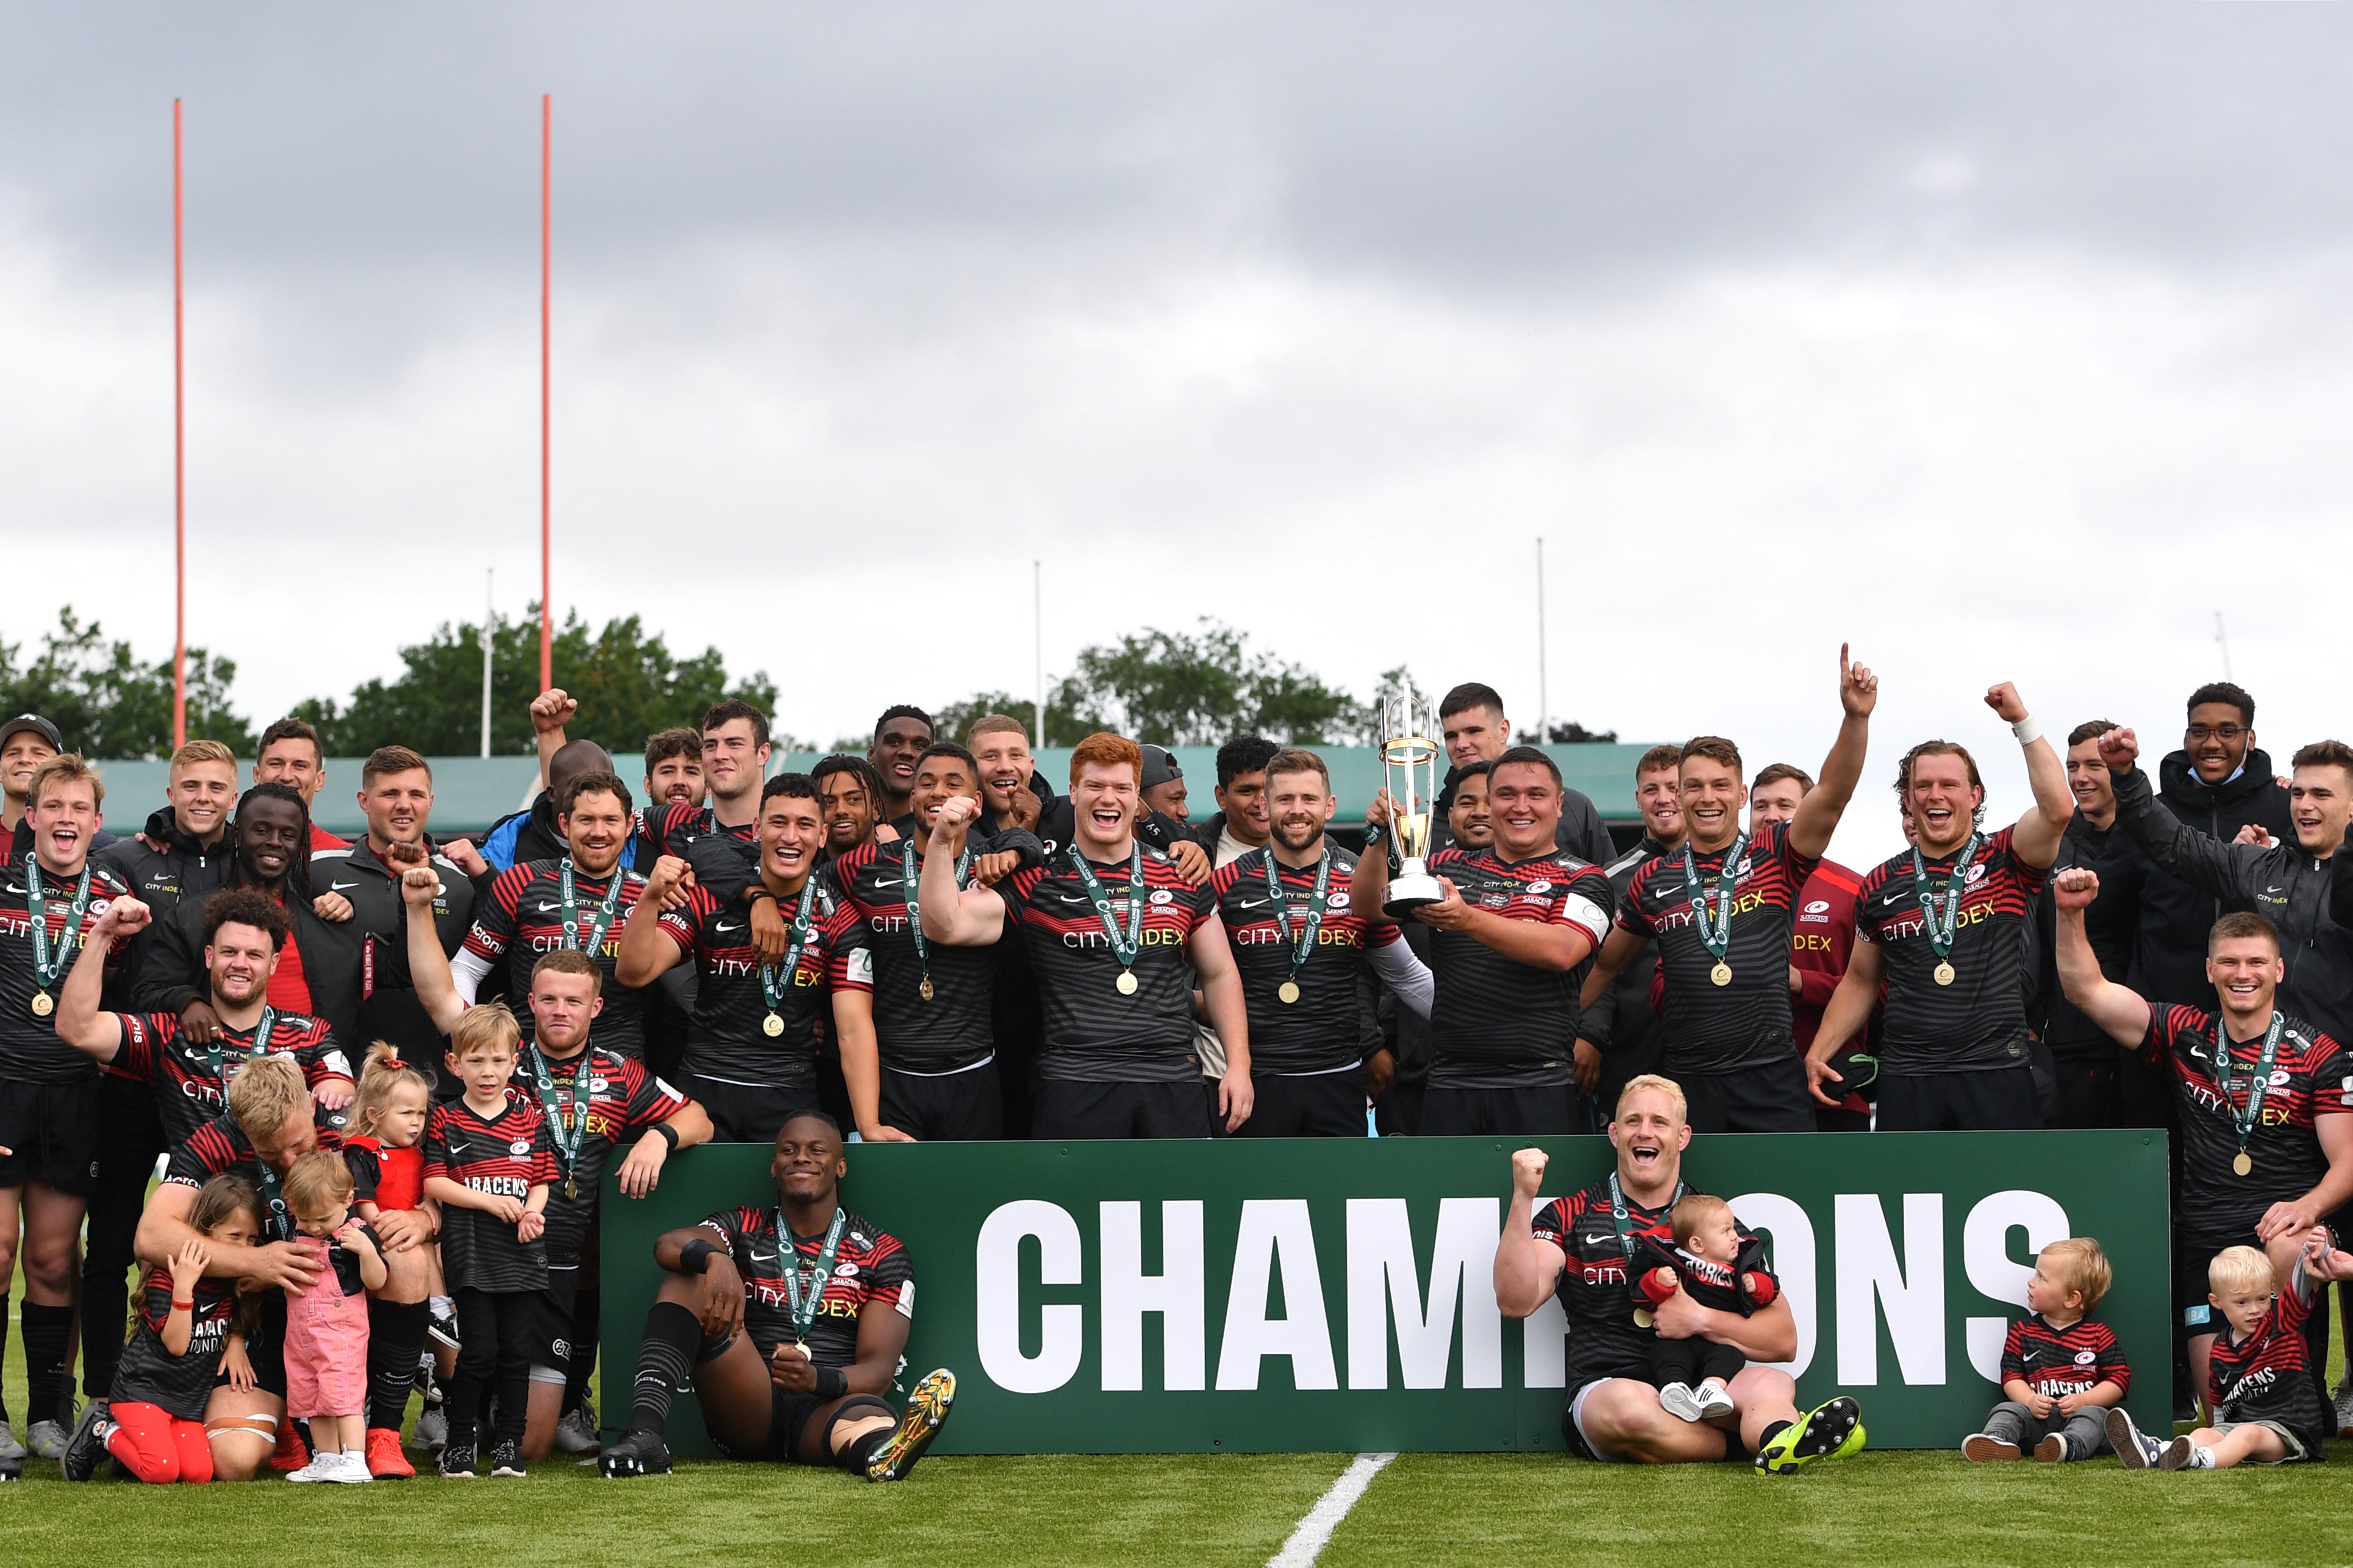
(327, 1324)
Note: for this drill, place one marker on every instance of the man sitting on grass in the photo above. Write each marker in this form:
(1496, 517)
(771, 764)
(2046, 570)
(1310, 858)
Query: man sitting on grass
(792, 1317)
(1614, 1412)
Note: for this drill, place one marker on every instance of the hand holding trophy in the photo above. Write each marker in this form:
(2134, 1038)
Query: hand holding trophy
(1409, 770)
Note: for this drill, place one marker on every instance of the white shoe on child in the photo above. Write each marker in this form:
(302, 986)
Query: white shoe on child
(324, 1466)
(351, 1470)
(1677, 1400)
(1712, 1399)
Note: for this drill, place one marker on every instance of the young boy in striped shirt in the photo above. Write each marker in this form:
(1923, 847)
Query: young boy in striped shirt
(2061, 1369)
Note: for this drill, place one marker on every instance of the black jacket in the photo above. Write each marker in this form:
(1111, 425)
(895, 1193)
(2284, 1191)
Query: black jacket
(183, 870)
(2296, 893)
(175, 976)
(387, 1004)
(1582, 831)
(2113, 923)
(2170, 958)
(1622, 1019)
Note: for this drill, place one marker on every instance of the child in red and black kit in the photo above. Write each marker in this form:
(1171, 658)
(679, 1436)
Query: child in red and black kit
(2062, 1371)
(385, 1153)
(489, 1162)
(1718, 1265)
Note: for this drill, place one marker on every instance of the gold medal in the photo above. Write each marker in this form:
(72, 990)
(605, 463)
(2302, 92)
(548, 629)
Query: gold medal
(1288, 991)
(1126, 983)
(1641, 1317)
(1721, 973)
(772, 1026)
(572, 1188)
(2243, 1164)
(42, 1005)
(1944, 973)
(924, 990)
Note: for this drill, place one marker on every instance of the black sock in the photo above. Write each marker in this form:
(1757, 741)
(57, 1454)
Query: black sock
(1772, 1429)
(665, 1356)
(860, 1451)
(3, 1355)
(586, 1309)
(395, 1339)
(48, 1331)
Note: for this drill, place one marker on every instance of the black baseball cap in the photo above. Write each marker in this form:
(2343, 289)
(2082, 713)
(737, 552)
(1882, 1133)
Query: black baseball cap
(1159, 766)
(39, 725)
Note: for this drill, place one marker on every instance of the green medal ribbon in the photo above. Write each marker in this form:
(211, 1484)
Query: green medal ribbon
(260, 1047)
(282, 1220)
(46, 971)
(1122, 947)
(911, 878)
(1716, 938)
(776, 985)
(1941, 910)
(2244, 1125)
(1619, 1214)
(605, 911)
(1304, 944)
(802, 1299)
(567, 1138)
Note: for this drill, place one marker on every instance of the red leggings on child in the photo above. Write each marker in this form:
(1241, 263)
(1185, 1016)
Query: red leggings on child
(159, 1446)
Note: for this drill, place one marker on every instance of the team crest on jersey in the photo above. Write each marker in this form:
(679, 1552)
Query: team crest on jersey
(844, 1271)
(520, 1148)
(1540, 886)
(100, 906)
(1162, 895)
(2085, 1358)
(1976, 873)
(1338, 901)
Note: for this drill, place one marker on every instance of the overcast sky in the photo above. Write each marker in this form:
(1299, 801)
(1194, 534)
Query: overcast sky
(2008, 342)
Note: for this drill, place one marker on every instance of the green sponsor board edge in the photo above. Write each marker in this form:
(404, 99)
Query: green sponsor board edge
(1911, 1250)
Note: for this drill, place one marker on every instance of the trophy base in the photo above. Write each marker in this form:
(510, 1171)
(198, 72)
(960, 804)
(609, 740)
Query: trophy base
(1409, 893)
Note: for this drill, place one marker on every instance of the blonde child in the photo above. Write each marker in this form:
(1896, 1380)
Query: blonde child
(489, 1163)
(2062, 1372)
(386, 1154)
(327, 1324)
(1707, 1256)
(190, 1328)
(2259, 1391)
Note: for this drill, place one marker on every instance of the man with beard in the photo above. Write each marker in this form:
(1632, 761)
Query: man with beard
(850, 801)
(535, 833)
(1618, 1038)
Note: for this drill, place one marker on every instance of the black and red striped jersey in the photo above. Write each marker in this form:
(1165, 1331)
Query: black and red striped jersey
(1496, 1022)
(952, 1030)
(1094, 1033)
(156, 1052)
(2310, 1078)
(625, 1101)
(869, 1268)
(1712, 1028)
(2267, 1376)
(727, 1039)
(1977, 1023)
(523, 918)
(2052, 1362)
(30, 1051)
(1326, 1030)
(506, 1155)
(674, 830)
(149, 1374)
(1597, 1288)
(221, 1145)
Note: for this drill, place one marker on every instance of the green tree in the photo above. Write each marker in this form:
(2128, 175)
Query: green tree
(629, 685)
(1071, 715)
(108, 704)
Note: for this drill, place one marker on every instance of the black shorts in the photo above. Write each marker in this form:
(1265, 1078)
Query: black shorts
(557, 1319)
(745, 1113)
(1768, 1099)
(2002, 1100)
(265, 1347)
(1323, 1105)
(788, 1416)
(959, 1107)
(1067, 1108)
(54, 1129)
(1535, 1110)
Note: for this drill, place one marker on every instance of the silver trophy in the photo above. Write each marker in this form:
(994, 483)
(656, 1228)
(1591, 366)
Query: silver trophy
(1409, 770)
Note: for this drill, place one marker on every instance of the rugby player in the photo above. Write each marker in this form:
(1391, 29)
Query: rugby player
(1818, 947)
(2089, 1067)
(25, 742)
(1618, 1038)
(753, 1051)
(2266, 1130)
(1512, 938)
(1164, 785)
(900, 737)
(573, 901)
(1578, 1248)
(1305, 955)
(1240, 823)
(918, 1044)
(850, 797)
(1722, 909)
(791, 1318)
(1011, 794)
(1470, 719)
(290, 754)
(1114, 932)
(1945, 924)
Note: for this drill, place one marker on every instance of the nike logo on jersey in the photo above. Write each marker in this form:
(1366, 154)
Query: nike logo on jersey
(723, 926)
(2271, 890)
(1595, 1240)
(1254, 903)
(547, 908)
(339, 887)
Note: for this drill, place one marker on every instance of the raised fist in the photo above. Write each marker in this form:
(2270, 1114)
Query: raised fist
(1528, 1171)
(2119, 748)
(2075, 888)
(2005, 700)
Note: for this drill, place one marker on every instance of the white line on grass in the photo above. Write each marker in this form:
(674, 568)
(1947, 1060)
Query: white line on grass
(1315, 1531)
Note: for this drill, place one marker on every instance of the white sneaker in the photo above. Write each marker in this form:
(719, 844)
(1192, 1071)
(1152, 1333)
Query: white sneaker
(351, 1469)
(323, 1467)
(1677, 1400)
(2344, 1411)
(47, 1439)
(432, 1431)
(577, 1433)
(1712, 1400)
(9, 1448)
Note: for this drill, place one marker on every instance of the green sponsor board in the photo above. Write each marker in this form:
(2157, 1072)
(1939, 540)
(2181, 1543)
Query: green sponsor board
(1297, 1295)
